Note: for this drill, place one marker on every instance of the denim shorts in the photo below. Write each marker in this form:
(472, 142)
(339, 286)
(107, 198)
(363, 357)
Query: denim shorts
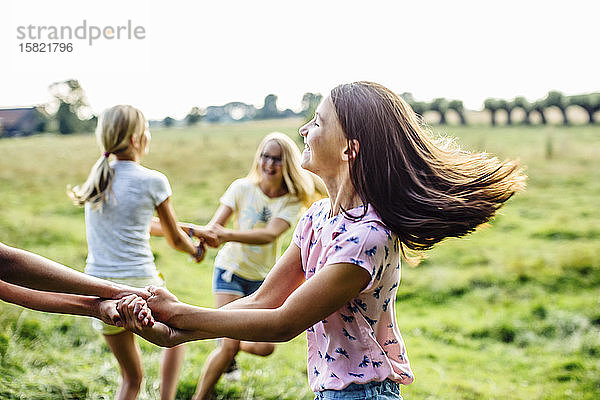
(225, 281)
(386, 390)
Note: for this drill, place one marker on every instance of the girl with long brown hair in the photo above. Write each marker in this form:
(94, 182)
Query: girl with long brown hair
(392, 189)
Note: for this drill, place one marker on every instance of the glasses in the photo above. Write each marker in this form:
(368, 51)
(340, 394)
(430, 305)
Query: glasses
(276, 160)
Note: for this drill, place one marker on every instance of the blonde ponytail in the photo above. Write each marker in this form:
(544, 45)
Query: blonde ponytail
(116, 127)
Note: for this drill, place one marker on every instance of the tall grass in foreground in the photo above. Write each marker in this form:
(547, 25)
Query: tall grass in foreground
(512, 311)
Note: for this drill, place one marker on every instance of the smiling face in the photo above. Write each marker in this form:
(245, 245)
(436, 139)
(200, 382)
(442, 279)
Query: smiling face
(324, 142)
(271, 162)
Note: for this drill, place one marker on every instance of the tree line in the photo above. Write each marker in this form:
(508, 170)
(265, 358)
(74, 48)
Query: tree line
(70, 112)
(590, 103)
(237, 111)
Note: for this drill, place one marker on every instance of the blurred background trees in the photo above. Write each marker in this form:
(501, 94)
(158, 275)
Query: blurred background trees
(70, 112)
(310, 102)
(458, 107)
(539, 106)
(556, 99)
(522, 103)
(440, 105)
(589, 102)
(194, 116)
(491, 105)
(168, 122)
(73, 113)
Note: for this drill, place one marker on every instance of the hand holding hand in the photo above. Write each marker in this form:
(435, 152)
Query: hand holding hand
(206, 236)
(107, 311)
(200, 253)
(134, 313)
(217, 231)
(162, 303)
(132, 310)
(129, 290)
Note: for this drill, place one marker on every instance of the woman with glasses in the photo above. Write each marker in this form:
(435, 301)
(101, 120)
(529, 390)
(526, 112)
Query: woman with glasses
(264, 205)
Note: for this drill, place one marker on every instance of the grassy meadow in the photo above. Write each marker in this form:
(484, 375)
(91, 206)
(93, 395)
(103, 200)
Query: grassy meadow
(510, 312)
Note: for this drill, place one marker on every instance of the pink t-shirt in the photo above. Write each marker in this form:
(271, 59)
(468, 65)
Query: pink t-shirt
(360, 342)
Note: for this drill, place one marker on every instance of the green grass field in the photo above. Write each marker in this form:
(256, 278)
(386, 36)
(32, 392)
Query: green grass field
(510, 312)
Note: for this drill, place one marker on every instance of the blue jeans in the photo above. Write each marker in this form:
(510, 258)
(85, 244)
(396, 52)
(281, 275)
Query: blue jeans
(386, 390)
(226, 282)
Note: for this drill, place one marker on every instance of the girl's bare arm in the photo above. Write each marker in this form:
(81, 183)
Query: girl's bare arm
(30, 270)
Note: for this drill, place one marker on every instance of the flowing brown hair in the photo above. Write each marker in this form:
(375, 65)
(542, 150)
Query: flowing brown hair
(423, 189)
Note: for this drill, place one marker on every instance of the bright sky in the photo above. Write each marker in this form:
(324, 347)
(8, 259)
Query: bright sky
(201, 53)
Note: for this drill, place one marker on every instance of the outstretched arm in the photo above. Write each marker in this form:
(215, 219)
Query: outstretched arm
(58, 302)
(282, 280)
(27, 269)
(91, 306)
(176, 237)
(311, 302)
(190, 229)
(265, 235)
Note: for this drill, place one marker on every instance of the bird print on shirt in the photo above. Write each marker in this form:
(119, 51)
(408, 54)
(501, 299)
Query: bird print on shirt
(365, 362)
(376, 292)
(371, 252)
(338, 349)
(361, 304)
(356, 375)
(347, 318)
(342, 352)
(385, 304)
(346, 334)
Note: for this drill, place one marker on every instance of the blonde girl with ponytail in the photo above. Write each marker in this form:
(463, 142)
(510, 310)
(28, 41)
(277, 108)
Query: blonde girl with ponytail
(120, 197)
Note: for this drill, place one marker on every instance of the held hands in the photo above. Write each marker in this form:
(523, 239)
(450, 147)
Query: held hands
(129, 290)
(206, 235)
(200, 253)
(203, 238)
(162, 303)
(108, 312)
(210, 235)
(218, 232)
(133, 313)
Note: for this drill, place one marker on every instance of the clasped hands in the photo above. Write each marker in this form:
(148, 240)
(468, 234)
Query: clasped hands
(148, 312)
(147, 316)
(211, 235)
